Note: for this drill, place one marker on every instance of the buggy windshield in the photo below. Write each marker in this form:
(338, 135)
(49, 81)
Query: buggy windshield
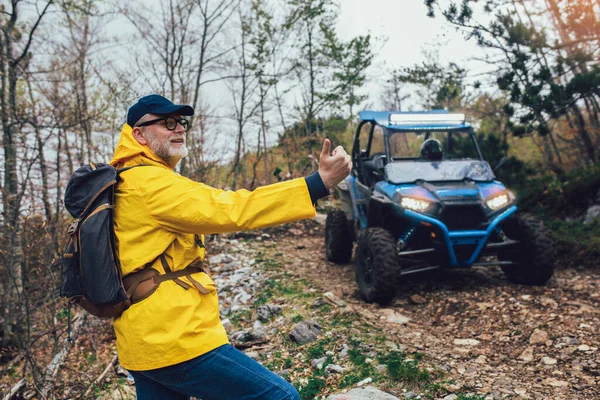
(456, 145)
(407, 172)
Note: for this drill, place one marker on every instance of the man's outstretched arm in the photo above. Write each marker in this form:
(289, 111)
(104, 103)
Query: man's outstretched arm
(180, 204)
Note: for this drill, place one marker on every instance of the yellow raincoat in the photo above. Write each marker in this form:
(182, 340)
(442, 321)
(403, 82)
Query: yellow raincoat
(158, 211)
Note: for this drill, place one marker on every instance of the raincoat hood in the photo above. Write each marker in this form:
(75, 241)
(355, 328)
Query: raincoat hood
(129, 148)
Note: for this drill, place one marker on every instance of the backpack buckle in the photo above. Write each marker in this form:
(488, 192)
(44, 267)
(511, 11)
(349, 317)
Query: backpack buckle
(72, 227)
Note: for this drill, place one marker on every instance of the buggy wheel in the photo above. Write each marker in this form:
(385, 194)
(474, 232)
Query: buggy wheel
(376, 265)
(338, 239)
(534, 256)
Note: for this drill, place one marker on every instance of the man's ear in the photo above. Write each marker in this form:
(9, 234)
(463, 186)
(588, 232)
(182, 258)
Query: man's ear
(138, 134)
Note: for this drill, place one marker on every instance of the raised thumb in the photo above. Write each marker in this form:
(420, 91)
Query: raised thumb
(325, 152)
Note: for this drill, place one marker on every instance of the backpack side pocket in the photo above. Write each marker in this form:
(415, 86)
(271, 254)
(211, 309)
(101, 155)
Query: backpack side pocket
(101, 280)
(71, 282)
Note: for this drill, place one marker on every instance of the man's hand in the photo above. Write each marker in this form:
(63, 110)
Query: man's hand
(335, 167)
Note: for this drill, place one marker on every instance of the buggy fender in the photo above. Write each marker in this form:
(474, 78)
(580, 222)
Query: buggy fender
(383, 211)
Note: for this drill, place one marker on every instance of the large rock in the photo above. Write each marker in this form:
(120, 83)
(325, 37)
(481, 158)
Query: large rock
(394, 317)
(258, 331)
(417, 299)
(367, 393)
(305, 332)
(527, 355)
(539, 336)
(555, 382)
(267, 311)
(334, 369)
(466, 342)
(242, 336)
(318, 362)
(122, 393)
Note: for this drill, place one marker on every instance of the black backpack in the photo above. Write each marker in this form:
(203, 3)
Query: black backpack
(91, 270)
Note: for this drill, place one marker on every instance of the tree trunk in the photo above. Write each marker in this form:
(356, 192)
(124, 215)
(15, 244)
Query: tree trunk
(584, 134)
(12, 65)
(263, 128)
(12, 285)
(41, 157)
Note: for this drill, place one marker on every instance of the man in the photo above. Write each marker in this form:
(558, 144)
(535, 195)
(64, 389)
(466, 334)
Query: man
(171, 339)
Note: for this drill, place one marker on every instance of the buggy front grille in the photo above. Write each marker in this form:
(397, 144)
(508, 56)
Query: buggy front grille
(463, 217)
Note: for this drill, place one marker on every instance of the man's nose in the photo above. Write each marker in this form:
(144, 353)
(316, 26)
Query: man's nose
(179, 128)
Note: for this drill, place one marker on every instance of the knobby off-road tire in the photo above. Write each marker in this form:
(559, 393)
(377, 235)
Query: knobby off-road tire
(534, 257)
(338, 239)
(376, 265)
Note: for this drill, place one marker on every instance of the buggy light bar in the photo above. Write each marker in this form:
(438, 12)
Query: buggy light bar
(425, 119)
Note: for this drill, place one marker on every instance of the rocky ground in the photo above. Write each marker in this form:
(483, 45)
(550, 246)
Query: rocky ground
(457, 335)
(471, 333)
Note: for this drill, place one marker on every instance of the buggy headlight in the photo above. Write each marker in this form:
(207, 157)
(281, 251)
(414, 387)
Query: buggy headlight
(496, 203)
(414, 204)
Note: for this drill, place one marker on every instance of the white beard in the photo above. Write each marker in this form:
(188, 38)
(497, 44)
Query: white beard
(165, 149)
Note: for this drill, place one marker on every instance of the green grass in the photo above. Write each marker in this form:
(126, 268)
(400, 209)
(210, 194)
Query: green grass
(350, 380)
(269, 263)
(318, 349)
(313, 388)
(240, 316)
(361, 372)
(282, 287)
(356, 357)
(297, 318)
(435, 390)
(315, 351)
(262, 299)
(380, 339)
(406, 371)
(278, 363)
(294, 287)
(344, 320)
(470, 397)
(576, 242)
(559, 197)
(91, 358)
(325, 309)
(62, 314)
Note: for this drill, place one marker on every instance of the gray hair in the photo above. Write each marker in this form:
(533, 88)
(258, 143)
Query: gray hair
(144, 118)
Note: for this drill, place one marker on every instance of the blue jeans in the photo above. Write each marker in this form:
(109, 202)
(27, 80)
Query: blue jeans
(224, 373)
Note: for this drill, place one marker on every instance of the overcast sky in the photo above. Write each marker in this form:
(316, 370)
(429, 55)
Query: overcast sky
(406, 26)
(408, 30)
(404, 32)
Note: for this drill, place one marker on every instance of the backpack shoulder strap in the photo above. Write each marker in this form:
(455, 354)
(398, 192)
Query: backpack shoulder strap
(121, 170)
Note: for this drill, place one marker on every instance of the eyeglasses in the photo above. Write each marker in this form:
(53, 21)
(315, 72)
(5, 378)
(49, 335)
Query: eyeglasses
(170, 122)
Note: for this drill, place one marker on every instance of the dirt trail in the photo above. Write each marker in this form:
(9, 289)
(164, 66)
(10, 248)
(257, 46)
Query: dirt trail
(489, 335)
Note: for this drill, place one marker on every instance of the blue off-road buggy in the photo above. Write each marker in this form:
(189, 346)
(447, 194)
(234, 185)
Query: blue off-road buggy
(420, 197)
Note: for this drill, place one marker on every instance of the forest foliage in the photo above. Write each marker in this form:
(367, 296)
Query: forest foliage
(269, 80)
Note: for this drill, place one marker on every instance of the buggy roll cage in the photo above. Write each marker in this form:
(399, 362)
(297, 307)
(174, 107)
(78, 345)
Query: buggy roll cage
(384, 120)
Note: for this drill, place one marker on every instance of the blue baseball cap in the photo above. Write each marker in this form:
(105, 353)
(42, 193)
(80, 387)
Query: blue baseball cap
(155, 104)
